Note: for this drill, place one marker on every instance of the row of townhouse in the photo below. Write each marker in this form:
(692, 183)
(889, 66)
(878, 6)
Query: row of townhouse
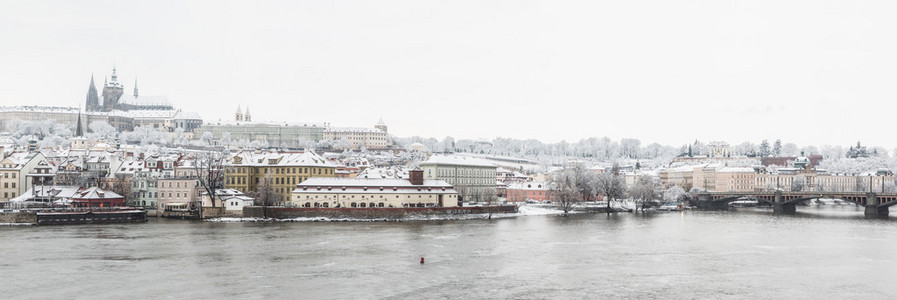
(745, 179)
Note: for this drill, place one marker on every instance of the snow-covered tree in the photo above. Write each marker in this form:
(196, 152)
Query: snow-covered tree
(102, 130)
(611, 185)
(564, 191)
(644, 192)
(206, 138)
(799, 183)
(674, 194)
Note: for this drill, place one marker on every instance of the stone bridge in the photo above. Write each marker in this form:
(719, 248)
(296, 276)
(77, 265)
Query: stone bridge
(876, 204)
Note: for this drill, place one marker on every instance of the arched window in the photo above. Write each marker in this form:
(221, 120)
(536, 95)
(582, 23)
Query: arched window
(380, 204)
(307, 204)
(317, 204)
(361, 205)
(354, 204)
(373, 205)
(325, 204)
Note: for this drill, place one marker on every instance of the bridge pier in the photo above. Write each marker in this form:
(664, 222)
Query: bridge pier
(779, 207)
(874, 209)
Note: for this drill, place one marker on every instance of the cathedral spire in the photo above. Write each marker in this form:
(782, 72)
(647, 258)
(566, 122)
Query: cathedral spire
(135, 87)
(93, 99)
(79, 132)
(114, 76)
(247, 117)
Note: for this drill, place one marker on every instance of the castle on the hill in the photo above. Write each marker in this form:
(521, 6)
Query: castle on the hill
(114, 98)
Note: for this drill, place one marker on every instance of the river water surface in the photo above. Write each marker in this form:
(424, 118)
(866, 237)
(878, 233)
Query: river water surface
(828, 252)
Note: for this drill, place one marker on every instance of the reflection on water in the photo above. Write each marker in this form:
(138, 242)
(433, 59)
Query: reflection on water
(821, 252)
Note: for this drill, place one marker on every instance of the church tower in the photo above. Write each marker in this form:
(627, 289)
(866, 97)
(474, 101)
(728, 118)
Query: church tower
(238, 116)
(112, 92)
(382, 126)
(247, 116)
(93, 100)
(79, 131)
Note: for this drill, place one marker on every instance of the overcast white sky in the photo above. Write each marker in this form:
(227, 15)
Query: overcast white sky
(808, 72)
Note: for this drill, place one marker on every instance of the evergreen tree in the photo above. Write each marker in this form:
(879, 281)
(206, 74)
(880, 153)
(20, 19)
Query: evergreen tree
(764, 148)
(777, 148)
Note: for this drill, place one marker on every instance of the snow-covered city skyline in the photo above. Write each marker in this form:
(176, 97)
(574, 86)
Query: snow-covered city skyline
(802, 72)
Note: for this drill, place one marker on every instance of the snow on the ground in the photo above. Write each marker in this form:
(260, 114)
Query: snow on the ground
(531, 210)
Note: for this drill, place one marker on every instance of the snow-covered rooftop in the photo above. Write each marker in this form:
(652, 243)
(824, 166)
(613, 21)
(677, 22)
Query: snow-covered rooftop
(353, 129)
(308, 158)
(457, 161)
(735, 170)
(144, 100)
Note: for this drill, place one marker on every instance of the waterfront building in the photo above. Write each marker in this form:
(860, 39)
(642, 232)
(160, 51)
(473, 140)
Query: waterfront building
(237, 203)
(14, 171)
(245, 170)
(177, 191)
(473, 178)
(49, 195)
(375, 192)
(97, 197)
(220, 196)
(523, 191)
(682, 176)
(734, 179)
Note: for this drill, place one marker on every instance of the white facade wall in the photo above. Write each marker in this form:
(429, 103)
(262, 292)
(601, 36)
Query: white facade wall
(370, 138)
(337, 198)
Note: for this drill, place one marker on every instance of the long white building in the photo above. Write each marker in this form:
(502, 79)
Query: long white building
(374, 192)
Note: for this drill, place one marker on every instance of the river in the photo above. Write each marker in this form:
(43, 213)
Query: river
(827, 252)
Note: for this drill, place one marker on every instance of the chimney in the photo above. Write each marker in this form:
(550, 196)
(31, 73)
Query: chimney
(416, 176)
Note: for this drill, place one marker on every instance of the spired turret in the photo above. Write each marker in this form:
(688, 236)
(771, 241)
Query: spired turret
(93, 99)
(112, 92)
(382, 126)
(238, 116)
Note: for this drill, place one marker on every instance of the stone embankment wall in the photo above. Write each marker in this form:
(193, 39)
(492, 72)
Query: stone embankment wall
(220, 212)
(21, 217)
(369, 213)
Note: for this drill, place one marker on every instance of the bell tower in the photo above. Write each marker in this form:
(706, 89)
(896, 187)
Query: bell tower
(112, 92)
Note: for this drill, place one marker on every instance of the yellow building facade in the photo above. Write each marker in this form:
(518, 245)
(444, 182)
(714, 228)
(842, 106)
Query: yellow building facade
(247, 170)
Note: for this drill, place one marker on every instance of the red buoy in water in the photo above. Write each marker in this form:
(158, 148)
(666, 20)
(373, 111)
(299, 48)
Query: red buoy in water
(421, 260)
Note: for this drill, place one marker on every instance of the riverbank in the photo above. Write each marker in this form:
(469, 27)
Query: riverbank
(524, 210)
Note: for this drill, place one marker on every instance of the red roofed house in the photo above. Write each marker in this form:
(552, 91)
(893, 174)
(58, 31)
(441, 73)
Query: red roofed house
(96, 197)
